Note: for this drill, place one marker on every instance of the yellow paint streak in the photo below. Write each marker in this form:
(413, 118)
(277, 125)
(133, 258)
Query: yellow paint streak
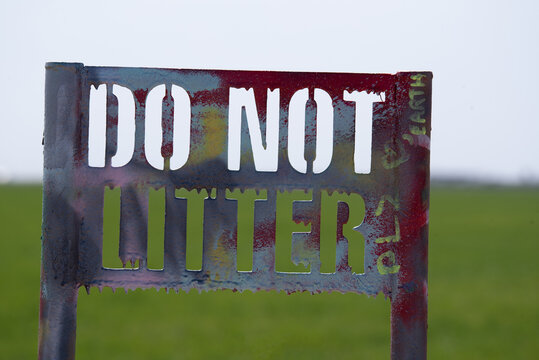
(215, 128)
(391, 238)
(392, 200)
(416, 130)
(417, 78)
(390, 160)
(384, 269)
(214, 133)
(408, 138)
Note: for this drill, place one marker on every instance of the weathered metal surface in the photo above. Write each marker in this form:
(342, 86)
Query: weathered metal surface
(395, 194)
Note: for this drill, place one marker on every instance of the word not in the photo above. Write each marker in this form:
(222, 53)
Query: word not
(240, 99)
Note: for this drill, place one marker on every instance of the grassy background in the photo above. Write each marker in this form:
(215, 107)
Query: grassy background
(483, 296)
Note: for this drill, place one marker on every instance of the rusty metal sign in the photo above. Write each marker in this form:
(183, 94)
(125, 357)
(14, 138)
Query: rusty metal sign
(270, 180)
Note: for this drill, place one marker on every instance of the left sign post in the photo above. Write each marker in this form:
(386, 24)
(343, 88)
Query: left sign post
(58, 303)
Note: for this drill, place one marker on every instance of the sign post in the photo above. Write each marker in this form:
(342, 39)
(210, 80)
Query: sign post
(270, 180)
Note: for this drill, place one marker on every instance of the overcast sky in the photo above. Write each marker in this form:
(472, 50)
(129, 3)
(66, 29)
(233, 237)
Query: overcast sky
(484, 56)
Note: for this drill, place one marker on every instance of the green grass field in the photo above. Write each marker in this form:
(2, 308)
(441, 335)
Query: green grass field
(483, 296)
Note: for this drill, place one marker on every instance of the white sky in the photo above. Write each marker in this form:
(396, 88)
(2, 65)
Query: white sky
(484, 56)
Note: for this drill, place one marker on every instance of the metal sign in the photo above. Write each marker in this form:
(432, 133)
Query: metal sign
(270, 180)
